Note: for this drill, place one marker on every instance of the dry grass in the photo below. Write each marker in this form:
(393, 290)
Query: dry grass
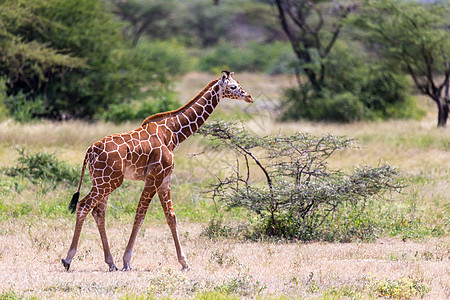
(69, 139)
(30, 266)
(31, 247)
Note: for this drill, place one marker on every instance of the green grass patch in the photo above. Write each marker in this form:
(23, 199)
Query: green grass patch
(10, 295)
(243, 285)
(404, 288)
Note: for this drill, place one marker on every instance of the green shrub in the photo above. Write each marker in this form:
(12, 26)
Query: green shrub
(68, 59)
(24, 110)
(404, 288)
(11, 295)
(215, 295)
(162, 57)
(344, 107)
(356, 88)
(216, 230)
(301, 198)
(244, 285)
(3, 96)
(271, 58)
(140, 109)
(42, 167)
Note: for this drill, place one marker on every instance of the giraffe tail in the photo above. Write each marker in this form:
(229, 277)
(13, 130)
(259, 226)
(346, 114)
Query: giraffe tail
(76, 196)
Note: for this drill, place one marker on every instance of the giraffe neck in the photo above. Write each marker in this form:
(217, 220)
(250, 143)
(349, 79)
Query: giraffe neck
(187, 121)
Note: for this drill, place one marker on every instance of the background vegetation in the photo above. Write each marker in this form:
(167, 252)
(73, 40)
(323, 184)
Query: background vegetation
(63, 59)
(311, 209)
(302, 196)
(374, 246)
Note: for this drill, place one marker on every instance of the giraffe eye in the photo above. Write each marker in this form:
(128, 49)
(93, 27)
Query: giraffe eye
(233, 87)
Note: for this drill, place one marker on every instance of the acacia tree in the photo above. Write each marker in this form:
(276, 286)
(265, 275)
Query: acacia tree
(25, 61)
(416, 37)
(312, 28)
(54, 55)
(299, 191)
(63, 59)
(143, 16)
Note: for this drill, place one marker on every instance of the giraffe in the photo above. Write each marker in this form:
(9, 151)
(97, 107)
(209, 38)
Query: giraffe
(144, 154)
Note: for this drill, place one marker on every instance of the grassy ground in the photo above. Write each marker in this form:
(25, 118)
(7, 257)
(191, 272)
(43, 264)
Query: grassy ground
(410, 258)
(31, 251)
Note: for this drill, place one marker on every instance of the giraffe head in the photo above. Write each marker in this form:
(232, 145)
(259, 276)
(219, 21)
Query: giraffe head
(232, 89)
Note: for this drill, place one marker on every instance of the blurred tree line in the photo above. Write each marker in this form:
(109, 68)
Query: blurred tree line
(115, 59)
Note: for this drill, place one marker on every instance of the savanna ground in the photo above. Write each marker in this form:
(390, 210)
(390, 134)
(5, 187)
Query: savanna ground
(408, 259)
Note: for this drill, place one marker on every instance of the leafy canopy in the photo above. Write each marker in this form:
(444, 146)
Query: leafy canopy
(415, 37)
(68, 58)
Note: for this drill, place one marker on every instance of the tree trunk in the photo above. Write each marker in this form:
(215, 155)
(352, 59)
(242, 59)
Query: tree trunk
(443, 110)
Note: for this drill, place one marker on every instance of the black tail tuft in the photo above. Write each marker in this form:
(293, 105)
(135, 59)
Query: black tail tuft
(73, 202)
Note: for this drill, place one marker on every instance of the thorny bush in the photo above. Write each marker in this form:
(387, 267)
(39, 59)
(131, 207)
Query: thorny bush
(42, 167)
(300, 191)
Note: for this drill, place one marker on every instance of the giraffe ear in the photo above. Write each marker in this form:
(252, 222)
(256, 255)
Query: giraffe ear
(226, 72)
(224, 78)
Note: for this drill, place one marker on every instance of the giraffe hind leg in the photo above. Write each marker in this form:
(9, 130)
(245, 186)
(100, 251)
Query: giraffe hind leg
(81, 216)
(82, 209)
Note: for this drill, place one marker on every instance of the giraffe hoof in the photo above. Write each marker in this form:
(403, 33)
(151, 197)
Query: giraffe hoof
(65, 264)
(112, 268)
(126, 267)
(185, 268)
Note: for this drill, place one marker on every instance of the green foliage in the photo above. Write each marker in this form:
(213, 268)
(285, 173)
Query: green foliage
(42, 166)
(24, 195)
(160, 57)
(271, 58)
(72, 61)
(216, 229)
(24, 110)
(404, 288)
(302, 197)
(22, 55)
(11, 295)
(312, 29)
(206, 24)
(215, 295)
(165, 57)
(199, 22)
(3, 96)
(243, 285)
(56, 39)
(342, 292)
(407, 225)
(344, 107)
(408, 34)
(357, 88)
(155, 18)
(140, 109)
(413, 36)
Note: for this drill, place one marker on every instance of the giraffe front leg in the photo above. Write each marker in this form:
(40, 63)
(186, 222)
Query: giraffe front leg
(99, 216)
(146, 197)
(166, 202)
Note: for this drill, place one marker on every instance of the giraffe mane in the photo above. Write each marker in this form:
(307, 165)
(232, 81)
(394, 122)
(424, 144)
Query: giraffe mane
(168, 114)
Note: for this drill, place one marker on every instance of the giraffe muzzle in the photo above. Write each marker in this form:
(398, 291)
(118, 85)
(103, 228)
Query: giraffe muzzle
(248, 99)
